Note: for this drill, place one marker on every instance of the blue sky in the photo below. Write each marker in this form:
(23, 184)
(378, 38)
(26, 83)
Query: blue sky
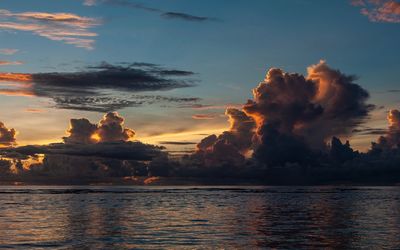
(229, 54)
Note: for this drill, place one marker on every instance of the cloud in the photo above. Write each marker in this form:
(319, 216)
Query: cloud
(7, 136)
(65, 27)
(231, 146)
(287, 134)
(326, 103)
(8, 63)
(81, 131)
(33, 110)
(391, 139)
(89, 2)
(290, 119)
(203, 117)
(186, 17)
(386, 11)
(163, 13)
(93, 151)
(296, 115)
(369, 131)
(115, 150)
(109, 129)
(102, 88)
(112, 103)
(8, 51)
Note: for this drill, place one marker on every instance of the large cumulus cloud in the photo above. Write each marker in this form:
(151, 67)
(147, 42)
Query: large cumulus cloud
(292, 117)
(81, 131)
(109, 129)
(323, 104)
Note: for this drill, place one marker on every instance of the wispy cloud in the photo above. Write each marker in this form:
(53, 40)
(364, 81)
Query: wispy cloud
(89, 2)
(8, 63)
(163, 13)
(379, 10)
(8, 51)
(64, 27)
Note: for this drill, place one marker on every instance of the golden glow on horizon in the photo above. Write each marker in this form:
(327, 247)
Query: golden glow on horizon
(180, 136)
(12, 92)
(96, 137)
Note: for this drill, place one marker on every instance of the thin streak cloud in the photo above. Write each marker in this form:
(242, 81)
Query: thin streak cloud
(8, 63)
(8, 52)
(163, 13)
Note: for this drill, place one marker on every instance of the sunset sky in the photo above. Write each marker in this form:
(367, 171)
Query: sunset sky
(195, 58)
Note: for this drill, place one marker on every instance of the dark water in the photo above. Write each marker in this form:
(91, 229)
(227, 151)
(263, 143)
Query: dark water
(199, 217)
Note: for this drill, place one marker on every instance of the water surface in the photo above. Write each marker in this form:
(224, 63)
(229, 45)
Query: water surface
(40, 217)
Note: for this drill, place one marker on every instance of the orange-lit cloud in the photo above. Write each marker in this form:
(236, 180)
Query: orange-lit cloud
(65, 27)
(32, 110)
(15, 77)
(203, 117)
(150, 180)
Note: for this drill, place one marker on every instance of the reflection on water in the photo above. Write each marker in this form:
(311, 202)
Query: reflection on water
(199, 217)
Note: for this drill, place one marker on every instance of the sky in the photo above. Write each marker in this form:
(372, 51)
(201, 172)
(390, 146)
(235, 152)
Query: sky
(189, 60)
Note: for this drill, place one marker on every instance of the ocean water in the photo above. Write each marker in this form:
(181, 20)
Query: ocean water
(84, 217)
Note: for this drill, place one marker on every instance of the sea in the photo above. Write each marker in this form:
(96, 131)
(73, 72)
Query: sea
(199, 217)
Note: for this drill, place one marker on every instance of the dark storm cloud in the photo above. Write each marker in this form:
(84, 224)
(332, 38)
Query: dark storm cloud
(102, 88)
(106, 104)
(369, 131)
(116, 150)
(7, 136)
(108, 77)
(162, 13)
